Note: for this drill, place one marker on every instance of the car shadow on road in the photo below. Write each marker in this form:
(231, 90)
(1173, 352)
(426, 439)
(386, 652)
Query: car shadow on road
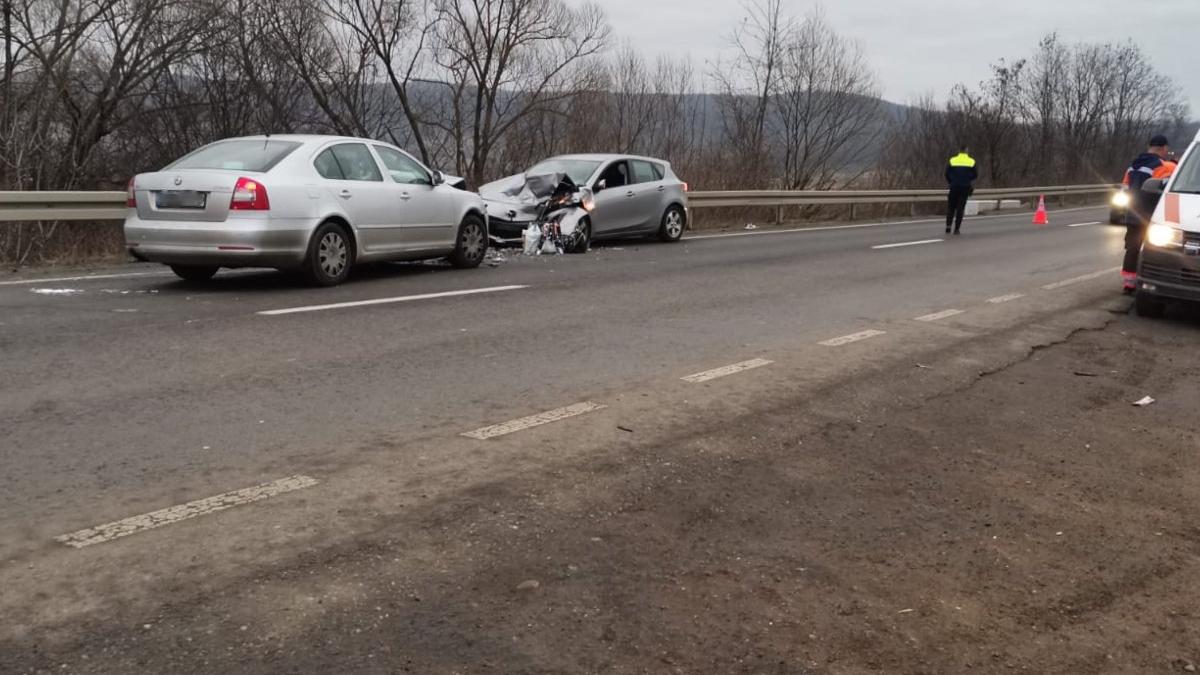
(250, 280)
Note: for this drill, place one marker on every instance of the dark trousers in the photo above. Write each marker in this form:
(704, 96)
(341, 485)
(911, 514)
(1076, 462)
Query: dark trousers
(1135, 234)
(957, 207)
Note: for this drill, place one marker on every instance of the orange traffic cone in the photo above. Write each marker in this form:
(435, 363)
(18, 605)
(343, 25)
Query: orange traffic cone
(1040, 217)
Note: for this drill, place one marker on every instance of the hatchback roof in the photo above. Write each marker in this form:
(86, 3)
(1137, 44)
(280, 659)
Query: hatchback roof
(606, 157)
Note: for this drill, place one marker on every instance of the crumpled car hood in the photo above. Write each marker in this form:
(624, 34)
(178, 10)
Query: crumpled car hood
(509, 199)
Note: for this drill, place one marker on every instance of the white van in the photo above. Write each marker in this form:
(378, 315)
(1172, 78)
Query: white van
(1170, 266)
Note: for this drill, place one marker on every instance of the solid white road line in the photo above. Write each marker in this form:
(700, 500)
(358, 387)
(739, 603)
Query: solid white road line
(1006, 298)
(856, 337)
(55, 280)
(1084, 224)
(858, 226)
(537, 420)
(908, 243)
(386, 301)
(726, 371)
(174, 514)
(1075, 280)
(938, 316)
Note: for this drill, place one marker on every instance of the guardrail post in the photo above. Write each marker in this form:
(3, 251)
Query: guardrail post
(853, 211)
(779, 215)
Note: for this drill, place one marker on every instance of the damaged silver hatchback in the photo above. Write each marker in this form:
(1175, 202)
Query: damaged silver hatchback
(633, 197)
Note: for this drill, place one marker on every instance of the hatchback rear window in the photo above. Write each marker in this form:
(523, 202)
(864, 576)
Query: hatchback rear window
(1188, 181)
(241, 155)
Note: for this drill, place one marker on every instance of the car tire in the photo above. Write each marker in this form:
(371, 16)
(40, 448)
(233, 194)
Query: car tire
(583, 237)
(194, 273)
(329, 257)
(674, 222)
(1146, 306)
(471, 246)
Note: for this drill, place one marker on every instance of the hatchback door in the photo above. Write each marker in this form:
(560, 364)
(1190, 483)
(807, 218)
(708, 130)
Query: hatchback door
(425, 212)
(616, 210)
(353, 178)
(650, 193)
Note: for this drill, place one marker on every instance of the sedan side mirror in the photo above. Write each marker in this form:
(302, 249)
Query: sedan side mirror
(1154, 186)
(438, 177)
(601, 185)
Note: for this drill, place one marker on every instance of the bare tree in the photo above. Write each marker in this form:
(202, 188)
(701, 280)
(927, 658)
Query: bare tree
(509, 59)
(827, 107)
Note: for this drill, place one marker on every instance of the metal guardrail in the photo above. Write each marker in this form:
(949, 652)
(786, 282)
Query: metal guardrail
(30, 206)
(698, 200)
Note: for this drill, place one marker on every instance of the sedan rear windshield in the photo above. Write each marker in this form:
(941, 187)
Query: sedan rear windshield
(580, 170)
(242, 155)
(1188, 180)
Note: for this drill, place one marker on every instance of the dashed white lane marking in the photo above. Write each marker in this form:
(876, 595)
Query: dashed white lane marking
(859, 226)
(537, 420)
(856, 337)
(1080, 279)
(908, 243)
(938, 316)
(1006, 298)
(55, 280)
(1095, 222)
(174, 514)
(726, 371)
(386, 301)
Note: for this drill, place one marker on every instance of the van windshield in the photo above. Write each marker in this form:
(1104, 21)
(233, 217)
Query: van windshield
(1188, 179)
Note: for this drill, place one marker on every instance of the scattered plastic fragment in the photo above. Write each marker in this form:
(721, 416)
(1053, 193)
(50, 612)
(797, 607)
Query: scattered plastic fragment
(1145, 402)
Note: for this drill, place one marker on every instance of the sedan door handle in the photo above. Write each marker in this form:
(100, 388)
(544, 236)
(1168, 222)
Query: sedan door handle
(629, 194)
(405, 196)
(345, 194)
(661, 188)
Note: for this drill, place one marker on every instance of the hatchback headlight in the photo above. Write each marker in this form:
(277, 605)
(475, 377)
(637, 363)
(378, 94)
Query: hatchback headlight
(1120, 199)
(1164, 236)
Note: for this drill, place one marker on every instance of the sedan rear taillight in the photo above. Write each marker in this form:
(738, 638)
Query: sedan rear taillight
(130, 196)
(249, 195)
(685, 187)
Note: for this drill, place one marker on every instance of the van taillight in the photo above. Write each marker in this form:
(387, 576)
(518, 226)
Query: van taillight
(249, 195)
(130, 196)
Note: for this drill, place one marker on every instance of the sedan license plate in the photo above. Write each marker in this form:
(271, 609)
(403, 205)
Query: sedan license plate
(181, 199)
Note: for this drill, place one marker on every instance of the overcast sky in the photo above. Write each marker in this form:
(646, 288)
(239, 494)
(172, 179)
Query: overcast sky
(927, 46)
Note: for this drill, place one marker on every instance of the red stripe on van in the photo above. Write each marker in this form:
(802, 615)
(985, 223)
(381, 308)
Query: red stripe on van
(1171, 214)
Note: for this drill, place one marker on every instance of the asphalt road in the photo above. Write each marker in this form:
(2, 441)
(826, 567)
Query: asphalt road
(126, 391)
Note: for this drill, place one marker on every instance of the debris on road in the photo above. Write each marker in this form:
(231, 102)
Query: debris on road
(751, 226)
(625, 429)
(1084, 373)
(496, 257)
(1145, 402)
(530, 585)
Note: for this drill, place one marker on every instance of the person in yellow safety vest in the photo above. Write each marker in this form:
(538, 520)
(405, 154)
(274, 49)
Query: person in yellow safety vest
(961, 175)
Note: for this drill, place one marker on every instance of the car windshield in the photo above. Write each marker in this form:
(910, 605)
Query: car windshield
(242, 155)
(1188, 180)
(580, 170)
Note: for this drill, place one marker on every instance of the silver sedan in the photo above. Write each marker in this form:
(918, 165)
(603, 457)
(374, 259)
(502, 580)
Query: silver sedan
(634, 197)
(314, 204)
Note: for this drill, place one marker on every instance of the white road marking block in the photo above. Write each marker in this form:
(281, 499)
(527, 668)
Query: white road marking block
(938, 316)
(1080, 279)
(175, 514)
(1095, 222)
(726, 371)
(908, 243)
(531, 421)
(1006, 298)
(387, 301)
(856, 337)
